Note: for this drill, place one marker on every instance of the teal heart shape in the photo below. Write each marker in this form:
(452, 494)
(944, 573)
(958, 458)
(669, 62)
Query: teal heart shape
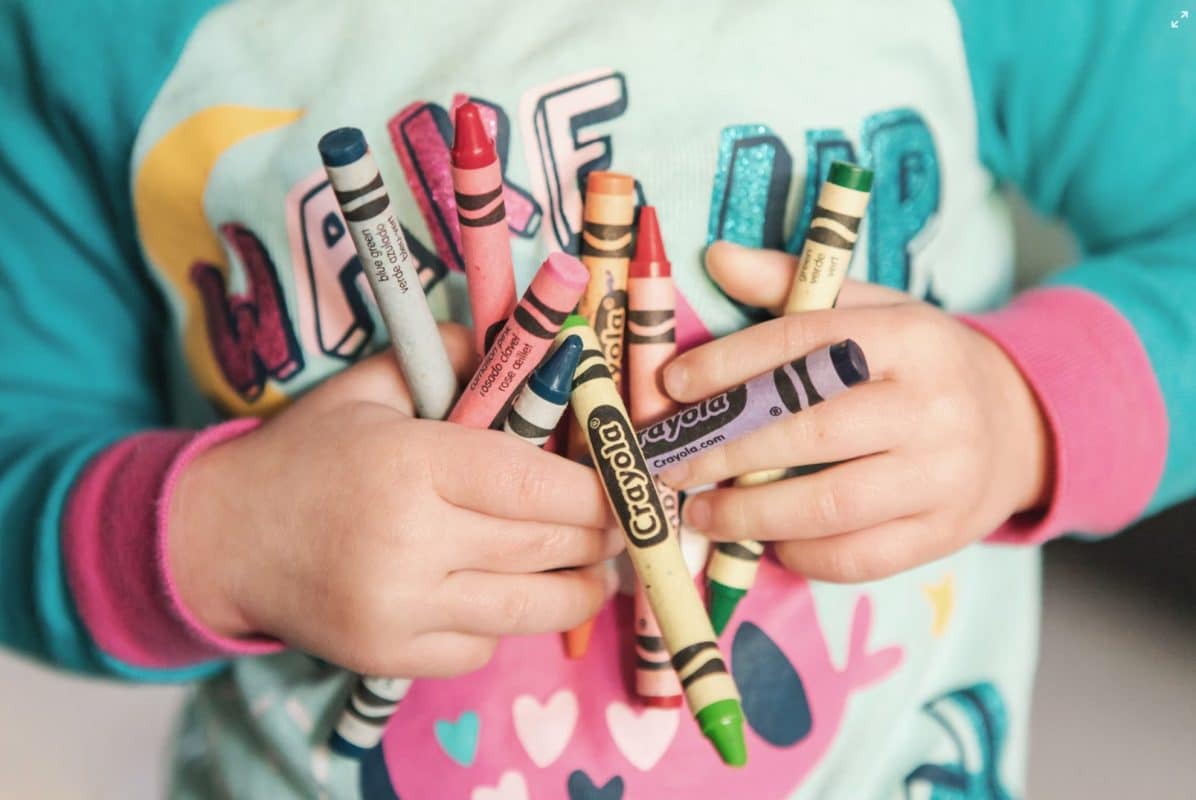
(581, 787)
(460, 739)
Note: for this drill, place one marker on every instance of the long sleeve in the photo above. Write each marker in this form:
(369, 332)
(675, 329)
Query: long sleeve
(85, 445)
(1089, 108)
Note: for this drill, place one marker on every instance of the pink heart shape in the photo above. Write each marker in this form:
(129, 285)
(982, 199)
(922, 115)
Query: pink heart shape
(545, 730)
(511, 786)
(642, 738)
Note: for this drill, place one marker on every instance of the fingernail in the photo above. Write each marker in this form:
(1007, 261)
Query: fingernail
(676, 379)
(674, 475)
(696, 513)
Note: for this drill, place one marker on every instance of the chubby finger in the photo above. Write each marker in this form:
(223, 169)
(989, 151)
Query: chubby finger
(764, 278)
(515, 547)
(869, 419)
(723, 363)
(751, 275)
(490, 604)
(870, 554)
(443, 654)
(845, 497)
(494, 473)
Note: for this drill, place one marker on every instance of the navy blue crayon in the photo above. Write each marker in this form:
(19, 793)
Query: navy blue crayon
(540, 405)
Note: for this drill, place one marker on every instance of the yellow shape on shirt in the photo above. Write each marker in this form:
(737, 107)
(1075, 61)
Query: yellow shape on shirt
(168, 201)
(942, 603)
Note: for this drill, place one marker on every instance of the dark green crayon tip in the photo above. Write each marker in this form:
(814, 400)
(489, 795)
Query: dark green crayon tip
(850, 176)
(723, 600)
(722, 723)
(554, 379)
(849, 362)
(343, 146)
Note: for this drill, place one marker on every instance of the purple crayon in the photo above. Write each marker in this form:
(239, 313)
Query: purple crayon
(788, 389)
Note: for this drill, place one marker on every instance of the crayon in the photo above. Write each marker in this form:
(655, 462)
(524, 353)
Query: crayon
(387, 260)
(830, 239)
(607, 217)
(651, 341)
(522, 343)
(372, 703)
(482, 216)
(709, 689)
(750, 406)
(539, 407)
(822, 267)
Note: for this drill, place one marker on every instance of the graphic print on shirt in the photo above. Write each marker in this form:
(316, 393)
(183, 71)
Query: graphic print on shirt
(572, 726)
(975, 721)
(752, 185)
(168, 203)
(421, 135)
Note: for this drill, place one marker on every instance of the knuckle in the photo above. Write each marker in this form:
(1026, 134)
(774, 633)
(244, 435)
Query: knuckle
(516, 608)
(829, 505)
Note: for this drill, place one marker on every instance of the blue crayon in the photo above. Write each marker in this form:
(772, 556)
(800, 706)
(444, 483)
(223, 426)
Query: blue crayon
(540, 405)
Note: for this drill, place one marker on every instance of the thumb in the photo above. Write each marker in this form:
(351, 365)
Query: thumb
(762, 278)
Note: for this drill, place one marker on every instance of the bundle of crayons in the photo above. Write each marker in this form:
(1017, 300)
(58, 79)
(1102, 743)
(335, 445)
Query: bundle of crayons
(537, 358)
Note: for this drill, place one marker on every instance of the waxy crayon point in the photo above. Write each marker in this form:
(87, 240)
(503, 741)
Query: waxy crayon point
(554, 379)
(577, 640)
(722, 723)
(671, 701)
(850, 176)
(472, 146)
(341, 147)
(650, 259)
(568, 269)
(609, 183)
(723, 600)
(849, 362)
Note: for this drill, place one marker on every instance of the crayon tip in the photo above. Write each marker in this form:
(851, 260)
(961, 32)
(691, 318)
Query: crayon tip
(573, 320)
(849, 362)
(577, 640)
(658, 701)
(650, 260)
(554, 379)
(343, 146)
(567, 269)
(602, 182)
(472, 145)
(850, 176)
(343, 747)
(723, 600)
(722, 723)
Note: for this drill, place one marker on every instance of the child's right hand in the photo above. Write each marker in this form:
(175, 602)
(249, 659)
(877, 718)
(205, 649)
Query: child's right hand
(387, 544)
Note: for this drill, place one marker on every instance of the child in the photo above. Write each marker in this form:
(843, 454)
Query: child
(172, 257)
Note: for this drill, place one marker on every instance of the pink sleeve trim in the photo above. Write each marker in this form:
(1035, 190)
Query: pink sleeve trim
(114, 543)
(1101, 401)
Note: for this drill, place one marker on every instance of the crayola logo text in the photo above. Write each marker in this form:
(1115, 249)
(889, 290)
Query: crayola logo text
(691, 424)
(625, 476)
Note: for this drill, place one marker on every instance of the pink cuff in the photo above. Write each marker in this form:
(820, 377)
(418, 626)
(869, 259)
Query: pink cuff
(114, 543)
(1101, 401)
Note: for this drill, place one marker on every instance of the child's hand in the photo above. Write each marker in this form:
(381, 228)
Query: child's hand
(387, 544)
(945, 443)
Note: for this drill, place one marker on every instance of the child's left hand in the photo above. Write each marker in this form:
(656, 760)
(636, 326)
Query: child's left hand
(941, 447)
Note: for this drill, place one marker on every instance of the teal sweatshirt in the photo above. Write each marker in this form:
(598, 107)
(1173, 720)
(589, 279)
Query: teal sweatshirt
(171, 257)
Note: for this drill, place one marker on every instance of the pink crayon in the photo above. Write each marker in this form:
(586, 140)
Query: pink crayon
(650, 342)
(522, 343)
(481, 213)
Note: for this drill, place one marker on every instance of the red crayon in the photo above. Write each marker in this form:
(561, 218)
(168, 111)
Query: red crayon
(485, 242)
(522, 343)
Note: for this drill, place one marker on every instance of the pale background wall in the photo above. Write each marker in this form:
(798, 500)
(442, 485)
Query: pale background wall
(1116, 696)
